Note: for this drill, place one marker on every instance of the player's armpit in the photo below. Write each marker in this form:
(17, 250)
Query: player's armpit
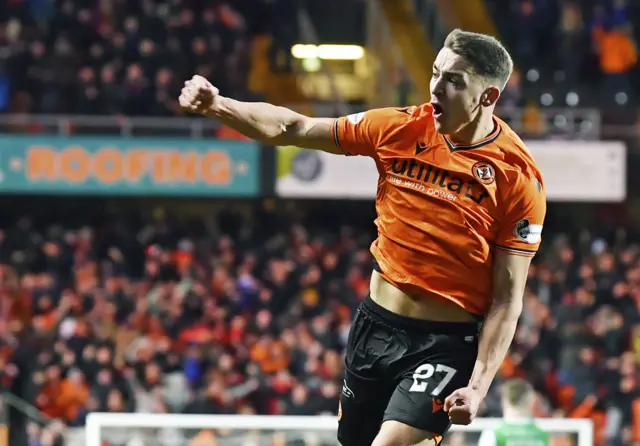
(521, 227)
(362, 133)
(509, 279)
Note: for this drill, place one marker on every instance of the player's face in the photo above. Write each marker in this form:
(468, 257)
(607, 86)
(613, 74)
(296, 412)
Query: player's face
(456, 93)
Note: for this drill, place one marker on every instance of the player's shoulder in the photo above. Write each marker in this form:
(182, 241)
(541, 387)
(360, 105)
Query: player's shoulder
(394, 123)
(398, 115)
(515, 159)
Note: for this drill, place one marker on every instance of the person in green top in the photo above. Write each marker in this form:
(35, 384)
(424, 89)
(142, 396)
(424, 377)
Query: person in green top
(519, 428)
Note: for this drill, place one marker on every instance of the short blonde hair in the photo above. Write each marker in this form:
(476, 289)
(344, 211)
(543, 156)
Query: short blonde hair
(517, 392)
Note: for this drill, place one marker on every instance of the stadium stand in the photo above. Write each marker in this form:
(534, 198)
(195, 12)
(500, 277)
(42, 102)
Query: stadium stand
(249, 314)
(119, 57)
(573, 46)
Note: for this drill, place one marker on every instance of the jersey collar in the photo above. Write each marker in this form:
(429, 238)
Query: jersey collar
(489, 139)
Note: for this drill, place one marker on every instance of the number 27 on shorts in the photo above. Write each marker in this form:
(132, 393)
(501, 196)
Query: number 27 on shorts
(425, 373)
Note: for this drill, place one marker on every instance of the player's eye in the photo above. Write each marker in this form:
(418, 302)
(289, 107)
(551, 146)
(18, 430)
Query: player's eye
(456, 82)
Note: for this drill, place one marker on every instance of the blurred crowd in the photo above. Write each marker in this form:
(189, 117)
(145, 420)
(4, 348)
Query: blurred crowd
(119, 56)
(162, 318)
(575, 44)
(249, 314)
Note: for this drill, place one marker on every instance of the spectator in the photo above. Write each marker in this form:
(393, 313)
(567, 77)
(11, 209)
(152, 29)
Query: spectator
(618, 55)
(620, 13)
(592, 49)
(571, 40)
(527, 32)
(126, 56)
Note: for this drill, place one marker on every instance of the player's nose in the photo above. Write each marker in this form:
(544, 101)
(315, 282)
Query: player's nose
(438, 87)
(437, 91)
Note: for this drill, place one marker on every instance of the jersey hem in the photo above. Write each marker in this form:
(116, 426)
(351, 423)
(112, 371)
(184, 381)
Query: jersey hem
(384, 265)
(517, 251)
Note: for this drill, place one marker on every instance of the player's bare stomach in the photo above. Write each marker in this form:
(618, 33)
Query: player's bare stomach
(388, 296)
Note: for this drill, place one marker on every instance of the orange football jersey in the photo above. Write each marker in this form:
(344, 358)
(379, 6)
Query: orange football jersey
(442, 208)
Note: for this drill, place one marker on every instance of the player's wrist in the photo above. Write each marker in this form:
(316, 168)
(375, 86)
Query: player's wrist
(479, 388)
(216, 108)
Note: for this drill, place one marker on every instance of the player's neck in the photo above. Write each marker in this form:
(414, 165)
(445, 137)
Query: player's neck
(475, 131)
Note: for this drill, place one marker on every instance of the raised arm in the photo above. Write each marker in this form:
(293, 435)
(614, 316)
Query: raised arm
(258, 120)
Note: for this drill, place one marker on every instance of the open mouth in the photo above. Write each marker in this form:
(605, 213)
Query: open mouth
(437, 109)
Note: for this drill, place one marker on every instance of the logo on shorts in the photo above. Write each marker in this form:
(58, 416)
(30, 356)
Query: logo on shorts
(346, 391)
(527, 232)
(436, 404)
(484, 173)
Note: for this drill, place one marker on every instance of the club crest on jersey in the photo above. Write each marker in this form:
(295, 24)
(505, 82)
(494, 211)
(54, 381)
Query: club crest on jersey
(483, 172)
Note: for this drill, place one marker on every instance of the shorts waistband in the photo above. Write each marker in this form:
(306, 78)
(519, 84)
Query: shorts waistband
(403, 322)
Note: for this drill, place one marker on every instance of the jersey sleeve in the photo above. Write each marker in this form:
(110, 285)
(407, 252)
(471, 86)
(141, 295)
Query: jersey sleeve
(520, 231)
(362, 133)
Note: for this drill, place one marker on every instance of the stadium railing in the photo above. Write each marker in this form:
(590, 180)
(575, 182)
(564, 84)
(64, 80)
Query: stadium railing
(308, 430)
(568, 123)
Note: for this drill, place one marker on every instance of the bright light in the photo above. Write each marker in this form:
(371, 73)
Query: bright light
(311, 65)
(327, 52)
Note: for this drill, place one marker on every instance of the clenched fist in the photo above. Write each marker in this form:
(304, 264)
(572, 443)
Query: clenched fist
(462, 405)
(198, 95)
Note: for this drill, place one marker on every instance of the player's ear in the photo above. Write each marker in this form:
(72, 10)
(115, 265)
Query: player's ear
(490, 96)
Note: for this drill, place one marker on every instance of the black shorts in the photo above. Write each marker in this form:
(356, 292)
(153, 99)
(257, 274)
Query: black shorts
(402, 369)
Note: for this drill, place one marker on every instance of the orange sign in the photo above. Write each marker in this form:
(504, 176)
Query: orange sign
(112, 166)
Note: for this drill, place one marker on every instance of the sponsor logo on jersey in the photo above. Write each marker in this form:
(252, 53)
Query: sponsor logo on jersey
(435, 182)
(421, 147)
(528, 232)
